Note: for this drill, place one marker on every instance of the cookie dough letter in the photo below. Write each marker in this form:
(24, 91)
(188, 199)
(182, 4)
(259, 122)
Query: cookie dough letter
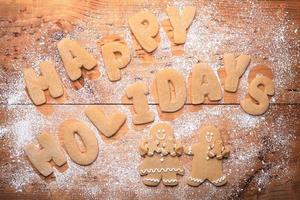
(48, 80)
(144, 27)
(71, 128)
(204, 82)
(259, 95)
(40, 158)
(234, 68)
(107, 126)
(116, 56)
(142, 114)
(171, 90)
(74, 57)
(181, 23)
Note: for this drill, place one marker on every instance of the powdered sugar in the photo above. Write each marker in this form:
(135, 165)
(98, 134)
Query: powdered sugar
(245, 149)
(115, 170)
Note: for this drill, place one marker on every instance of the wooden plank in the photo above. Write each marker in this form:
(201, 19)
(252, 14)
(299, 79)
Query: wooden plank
(102, 91)
(251, 140)
(36, 42)
(30, 30)
(285, 187)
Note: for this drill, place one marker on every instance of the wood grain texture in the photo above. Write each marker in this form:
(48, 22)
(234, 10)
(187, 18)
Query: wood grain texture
(21, 23)
(241, 179)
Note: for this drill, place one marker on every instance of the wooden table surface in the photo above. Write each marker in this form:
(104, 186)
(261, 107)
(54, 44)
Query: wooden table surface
(30, 30)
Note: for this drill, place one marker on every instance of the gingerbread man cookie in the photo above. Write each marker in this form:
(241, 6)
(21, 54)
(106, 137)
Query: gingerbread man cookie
(149, 147)
(162, 163)
(208, 155)
(171, 147)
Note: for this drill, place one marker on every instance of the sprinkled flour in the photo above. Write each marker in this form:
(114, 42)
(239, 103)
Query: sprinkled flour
(245, 148)
(252, 138)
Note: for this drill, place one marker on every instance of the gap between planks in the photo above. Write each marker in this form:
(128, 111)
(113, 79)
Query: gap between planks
(126, 104)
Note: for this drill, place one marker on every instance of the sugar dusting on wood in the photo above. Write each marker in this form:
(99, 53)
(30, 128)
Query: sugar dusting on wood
(116, 166)
(252, 139)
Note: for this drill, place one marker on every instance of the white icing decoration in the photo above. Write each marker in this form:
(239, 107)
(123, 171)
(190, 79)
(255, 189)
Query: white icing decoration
(161, 134)
(196, 179)
(161, 170)
(209, 136)
(170, 180)
(222, 178)
(190, 150)
(152, 180)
